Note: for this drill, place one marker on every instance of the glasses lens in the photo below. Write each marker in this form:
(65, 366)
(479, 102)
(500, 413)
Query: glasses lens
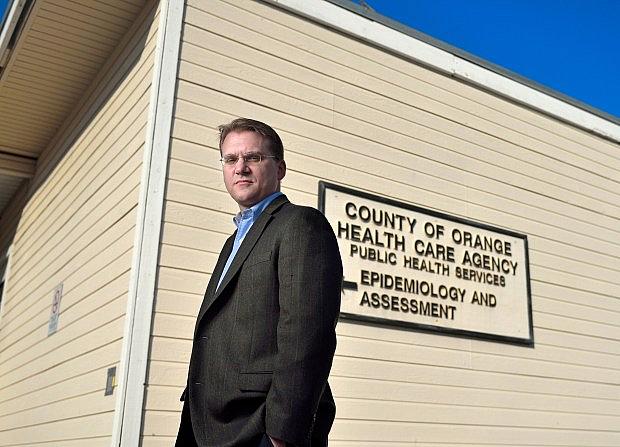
(229, 160)
(252, 159)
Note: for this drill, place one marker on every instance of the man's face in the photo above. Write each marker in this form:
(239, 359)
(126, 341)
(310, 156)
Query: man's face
(246, 183)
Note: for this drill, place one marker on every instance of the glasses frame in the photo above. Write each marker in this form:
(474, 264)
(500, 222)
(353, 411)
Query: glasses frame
(261, 157)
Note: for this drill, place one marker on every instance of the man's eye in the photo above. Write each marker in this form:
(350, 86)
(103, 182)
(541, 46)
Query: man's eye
(230, 160)
(252, 158)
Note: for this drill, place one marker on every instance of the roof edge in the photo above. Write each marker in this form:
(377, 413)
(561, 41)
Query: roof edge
(10, 20)
(4, 16)
(368, 25)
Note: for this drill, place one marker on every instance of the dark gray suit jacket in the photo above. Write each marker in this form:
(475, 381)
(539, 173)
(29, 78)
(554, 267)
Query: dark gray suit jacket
(264, 341)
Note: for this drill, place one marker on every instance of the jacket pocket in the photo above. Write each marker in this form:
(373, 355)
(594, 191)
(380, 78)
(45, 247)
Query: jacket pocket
(258, 259)
(255, 381)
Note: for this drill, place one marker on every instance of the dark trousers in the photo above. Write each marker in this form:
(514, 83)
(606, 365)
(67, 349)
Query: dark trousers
(185, 438)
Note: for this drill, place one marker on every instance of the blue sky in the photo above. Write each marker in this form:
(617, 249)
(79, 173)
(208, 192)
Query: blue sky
(572, 46)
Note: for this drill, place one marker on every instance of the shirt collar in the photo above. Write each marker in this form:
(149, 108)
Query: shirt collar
(254, 211)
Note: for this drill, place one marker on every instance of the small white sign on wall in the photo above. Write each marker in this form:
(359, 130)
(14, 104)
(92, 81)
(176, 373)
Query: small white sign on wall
(413, 267)
(55, 312)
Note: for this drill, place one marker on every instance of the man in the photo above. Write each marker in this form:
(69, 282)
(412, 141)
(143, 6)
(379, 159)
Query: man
(265, 334)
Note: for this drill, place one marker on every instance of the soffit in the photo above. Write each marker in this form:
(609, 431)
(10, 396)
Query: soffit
(59, 51)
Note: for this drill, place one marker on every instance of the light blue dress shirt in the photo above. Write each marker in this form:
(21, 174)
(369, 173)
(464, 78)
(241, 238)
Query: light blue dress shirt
(244, 221)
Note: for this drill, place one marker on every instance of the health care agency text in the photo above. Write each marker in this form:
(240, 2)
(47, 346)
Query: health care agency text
(392, 239)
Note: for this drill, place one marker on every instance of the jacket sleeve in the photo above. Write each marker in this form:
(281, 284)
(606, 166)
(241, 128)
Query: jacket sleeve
(310, 277)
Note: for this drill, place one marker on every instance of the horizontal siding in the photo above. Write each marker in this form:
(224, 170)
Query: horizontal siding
(84, 428)
(91, 397)
(113, 131)
(77, 228)
(354, 115)
(79, 235)
(55, 62)
(80, 232)
(591, 251)
(368, 432)
(406, 143)
(432, 185)
(591, 378)
(322, 56)
(94, 281)
(349, 53)
(433, 405)
(25, 376)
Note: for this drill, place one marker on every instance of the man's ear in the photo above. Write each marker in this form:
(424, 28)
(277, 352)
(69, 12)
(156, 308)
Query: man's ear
(281, 170)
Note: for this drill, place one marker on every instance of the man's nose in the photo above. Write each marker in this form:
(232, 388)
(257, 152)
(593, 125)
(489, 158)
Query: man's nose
(241, 165)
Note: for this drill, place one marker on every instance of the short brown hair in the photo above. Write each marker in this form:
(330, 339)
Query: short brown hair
(274, 143)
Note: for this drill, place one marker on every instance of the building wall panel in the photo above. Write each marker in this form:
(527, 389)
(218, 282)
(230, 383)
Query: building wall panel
(81, 245)
(356, 115)
(77, 228)
(332, 48)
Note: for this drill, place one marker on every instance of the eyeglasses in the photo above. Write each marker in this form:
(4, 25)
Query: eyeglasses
(251, 159)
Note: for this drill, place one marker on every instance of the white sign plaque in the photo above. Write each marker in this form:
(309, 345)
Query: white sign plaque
(415, 267)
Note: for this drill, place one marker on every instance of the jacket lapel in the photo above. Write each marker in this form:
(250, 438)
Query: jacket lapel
(217, 272)
(245, 248)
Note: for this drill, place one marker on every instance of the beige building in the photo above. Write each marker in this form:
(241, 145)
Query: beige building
(113, 212)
